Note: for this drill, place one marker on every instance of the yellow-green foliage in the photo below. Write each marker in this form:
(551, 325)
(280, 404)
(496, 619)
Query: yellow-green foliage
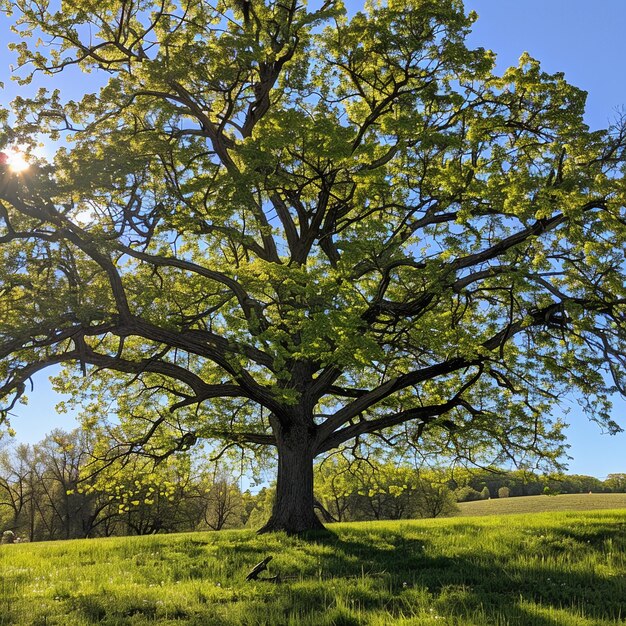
(544, 569)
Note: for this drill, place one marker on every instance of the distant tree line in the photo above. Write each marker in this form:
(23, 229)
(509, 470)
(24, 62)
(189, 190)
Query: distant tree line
(475, 484)
(48, 491)
(45, 493)
(360, 490)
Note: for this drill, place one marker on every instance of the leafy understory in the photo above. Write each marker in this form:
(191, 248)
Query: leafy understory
(544, 569)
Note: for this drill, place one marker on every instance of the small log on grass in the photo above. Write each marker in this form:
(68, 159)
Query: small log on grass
(258, 568)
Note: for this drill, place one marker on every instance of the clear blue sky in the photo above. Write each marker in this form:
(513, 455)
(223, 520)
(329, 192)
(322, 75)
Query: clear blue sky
(583, 39)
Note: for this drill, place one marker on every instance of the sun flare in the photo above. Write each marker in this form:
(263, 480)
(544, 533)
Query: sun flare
(17, 161)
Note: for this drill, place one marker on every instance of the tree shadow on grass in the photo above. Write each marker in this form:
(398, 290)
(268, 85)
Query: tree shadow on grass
(347, 577)
(532, 591)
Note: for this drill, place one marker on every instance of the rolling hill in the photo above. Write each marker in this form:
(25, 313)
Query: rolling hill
(539, 504)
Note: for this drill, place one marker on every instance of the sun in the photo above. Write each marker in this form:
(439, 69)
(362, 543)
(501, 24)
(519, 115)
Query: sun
(16, 161)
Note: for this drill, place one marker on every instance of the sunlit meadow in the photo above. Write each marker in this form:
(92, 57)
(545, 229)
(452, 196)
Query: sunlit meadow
(541, 570)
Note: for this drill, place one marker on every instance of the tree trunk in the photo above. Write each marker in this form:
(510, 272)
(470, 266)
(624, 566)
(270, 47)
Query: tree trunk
(293, 510)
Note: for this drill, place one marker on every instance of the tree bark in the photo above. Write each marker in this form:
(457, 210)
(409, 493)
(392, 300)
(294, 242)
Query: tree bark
(293, 510)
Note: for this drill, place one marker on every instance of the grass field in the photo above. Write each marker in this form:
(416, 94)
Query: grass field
(540, 570)
(538, 504)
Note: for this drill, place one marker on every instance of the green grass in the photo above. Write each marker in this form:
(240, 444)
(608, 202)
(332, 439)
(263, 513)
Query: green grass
(541, 504)
(539, 570)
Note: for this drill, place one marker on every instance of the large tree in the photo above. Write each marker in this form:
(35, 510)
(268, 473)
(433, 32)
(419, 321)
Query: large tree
(286, 227)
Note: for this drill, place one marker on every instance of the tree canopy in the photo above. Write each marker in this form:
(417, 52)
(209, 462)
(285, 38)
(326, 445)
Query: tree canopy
(273, 225)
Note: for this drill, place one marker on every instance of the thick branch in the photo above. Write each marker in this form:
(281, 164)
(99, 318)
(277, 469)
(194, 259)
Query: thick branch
(424, 414)
(361, 404)
(251, 308)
